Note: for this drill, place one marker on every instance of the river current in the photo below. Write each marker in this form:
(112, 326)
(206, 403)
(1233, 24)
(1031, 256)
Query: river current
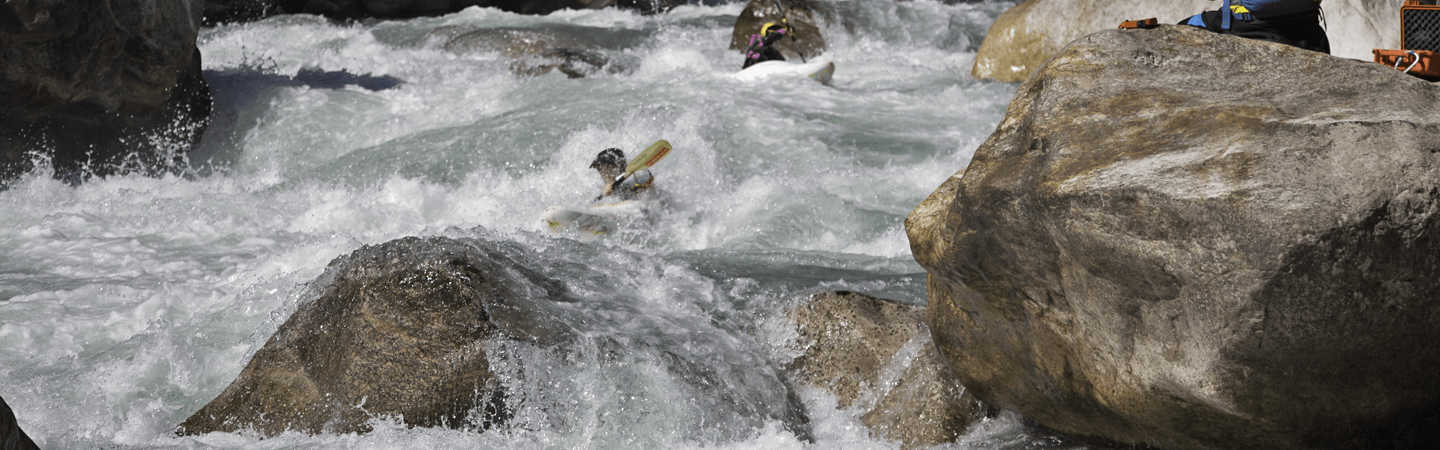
(129, 302)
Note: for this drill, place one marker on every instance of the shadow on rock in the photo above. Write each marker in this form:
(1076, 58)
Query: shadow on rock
(97, 90)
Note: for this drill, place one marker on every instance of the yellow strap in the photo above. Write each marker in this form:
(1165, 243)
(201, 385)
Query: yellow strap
(1239, 9)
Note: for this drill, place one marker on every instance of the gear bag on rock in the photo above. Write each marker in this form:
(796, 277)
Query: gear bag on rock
(1419, 52)
(1290, 22)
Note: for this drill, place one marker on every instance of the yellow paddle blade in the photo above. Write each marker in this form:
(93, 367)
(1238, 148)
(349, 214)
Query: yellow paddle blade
(649, 157)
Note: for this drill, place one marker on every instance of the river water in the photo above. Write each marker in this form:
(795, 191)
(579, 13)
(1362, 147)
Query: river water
(128, 303)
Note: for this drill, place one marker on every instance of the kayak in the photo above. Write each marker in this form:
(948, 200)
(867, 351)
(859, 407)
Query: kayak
(593, 222)
(818, 70)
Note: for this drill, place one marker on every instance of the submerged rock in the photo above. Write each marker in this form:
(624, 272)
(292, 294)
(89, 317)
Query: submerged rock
(1186, 240)
(99, 87)
(397, 329)
(877, 354)
(11, 436)
(803, 16)
(1023, 38)
(576, 53)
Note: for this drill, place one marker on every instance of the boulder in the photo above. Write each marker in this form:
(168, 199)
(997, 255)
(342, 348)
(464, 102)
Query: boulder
(803, 16)
(877, 354)
(11, 436)
(574, 52)
(1186, 240)
(397, 329)
(1027, 35)
(99, 87)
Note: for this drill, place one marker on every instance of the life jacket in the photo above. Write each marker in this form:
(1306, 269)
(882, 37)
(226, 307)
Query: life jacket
(761, 48)
(1261, 9)
(642, 179)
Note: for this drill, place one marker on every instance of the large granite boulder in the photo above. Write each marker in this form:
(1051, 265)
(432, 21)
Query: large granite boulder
(11, 436)
(398, 329)
(803, 16)
(1187, 240)
(99, 87)
(1023, 38)
(877, 354)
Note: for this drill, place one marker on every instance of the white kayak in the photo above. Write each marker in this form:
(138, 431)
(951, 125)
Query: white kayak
(592, 222)
(816, 70)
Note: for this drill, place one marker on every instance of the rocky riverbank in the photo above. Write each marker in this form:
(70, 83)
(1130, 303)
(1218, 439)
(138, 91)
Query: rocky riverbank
(1185, 240)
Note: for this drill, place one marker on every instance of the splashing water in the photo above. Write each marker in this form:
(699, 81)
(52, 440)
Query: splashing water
(129, 302)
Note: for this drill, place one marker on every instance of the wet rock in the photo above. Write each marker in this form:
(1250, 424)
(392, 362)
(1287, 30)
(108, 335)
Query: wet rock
(99, 87)
(1186, 240)
(11, 436)
(218, 12)
(877, 355)
(1023, 38)
(397, 329)
(574, 52)
(803, 16)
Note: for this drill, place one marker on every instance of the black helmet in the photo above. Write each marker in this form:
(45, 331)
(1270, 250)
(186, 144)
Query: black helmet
(610, 157)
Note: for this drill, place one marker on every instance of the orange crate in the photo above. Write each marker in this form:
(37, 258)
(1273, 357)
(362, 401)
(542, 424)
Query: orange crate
(1414, 62)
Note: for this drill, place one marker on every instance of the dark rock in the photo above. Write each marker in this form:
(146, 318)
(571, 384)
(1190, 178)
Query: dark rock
(100, 87)
(878, 353)
(803, 16)
(398, 329)
(218, 12)
(1185, 240)
(11, 436)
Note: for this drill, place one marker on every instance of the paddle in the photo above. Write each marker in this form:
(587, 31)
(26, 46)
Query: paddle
(785, 19)
(652, 154)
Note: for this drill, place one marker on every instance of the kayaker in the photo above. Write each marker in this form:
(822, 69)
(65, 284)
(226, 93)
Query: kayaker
(762, 45)
(611, 164)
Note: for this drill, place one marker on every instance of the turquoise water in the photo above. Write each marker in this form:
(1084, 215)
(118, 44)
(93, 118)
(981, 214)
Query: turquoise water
(128, 303)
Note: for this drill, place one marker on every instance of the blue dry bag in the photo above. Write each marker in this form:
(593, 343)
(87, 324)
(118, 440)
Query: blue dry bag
(1265, 8)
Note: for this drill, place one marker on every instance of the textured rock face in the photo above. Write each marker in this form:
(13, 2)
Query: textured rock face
(80, 79)
(804, 17)
(11, 436)
(1025, 37)
(878, 353)
(1188, 240)
(395, 329)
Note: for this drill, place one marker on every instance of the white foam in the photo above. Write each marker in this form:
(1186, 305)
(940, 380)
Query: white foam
(128, 303)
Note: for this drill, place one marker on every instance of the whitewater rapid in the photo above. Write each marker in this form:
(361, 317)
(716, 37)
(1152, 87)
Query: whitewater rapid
(129, 302)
